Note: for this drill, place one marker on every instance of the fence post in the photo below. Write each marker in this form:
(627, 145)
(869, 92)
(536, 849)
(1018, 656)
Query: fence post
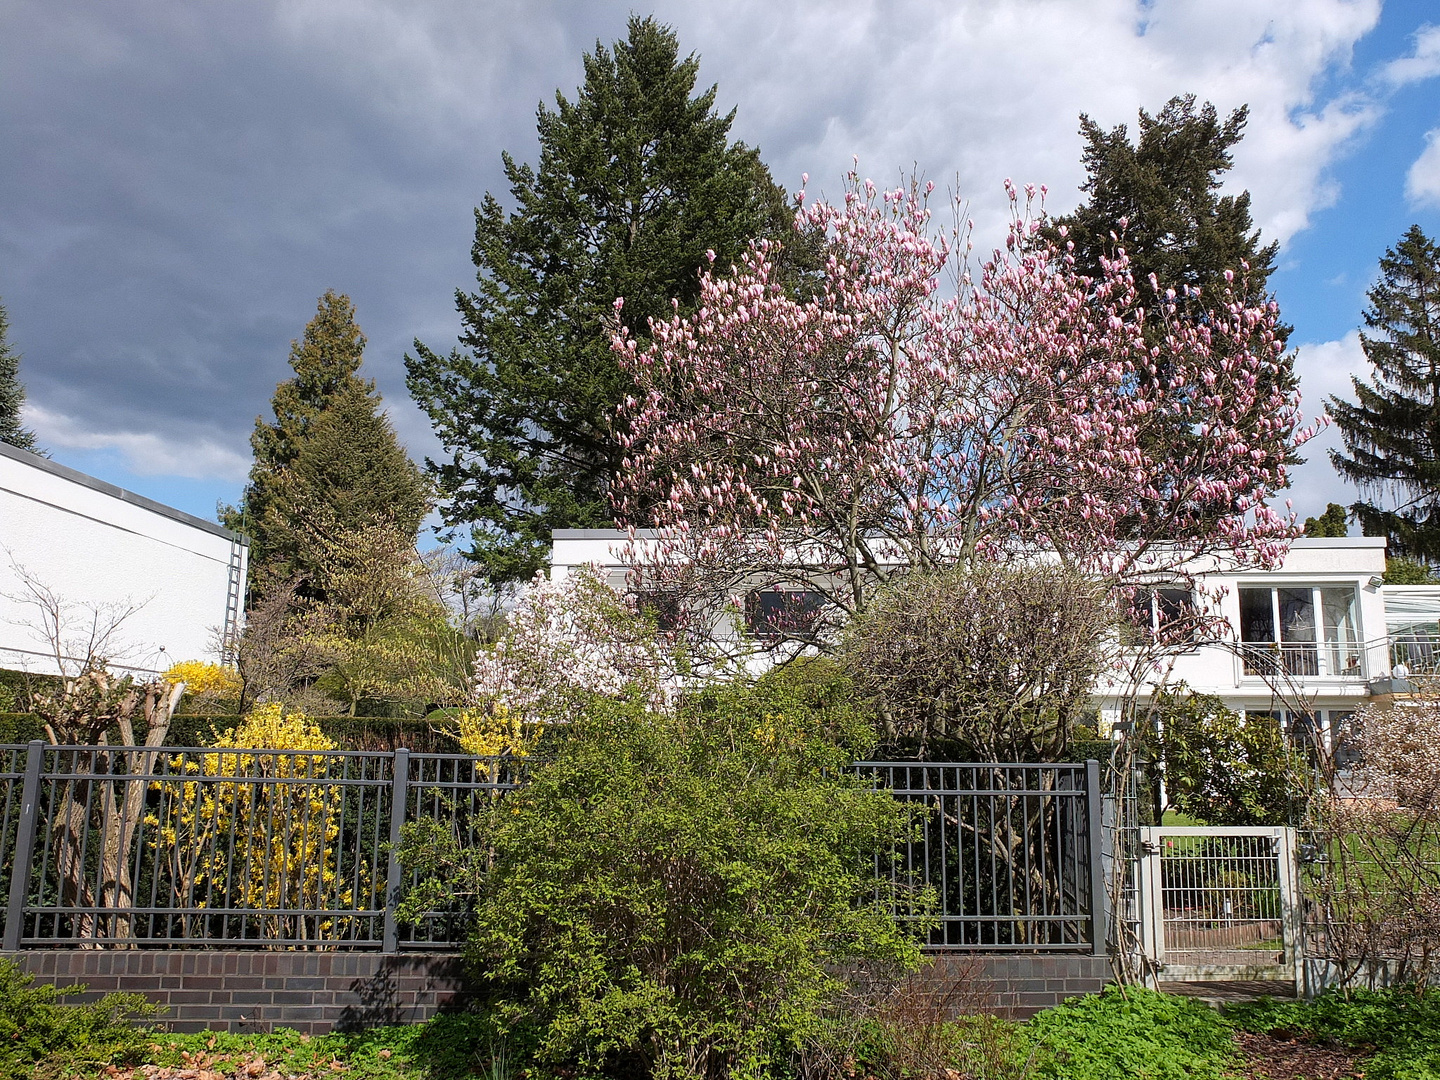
(1099, 893)
(24, 845)
(399, 783)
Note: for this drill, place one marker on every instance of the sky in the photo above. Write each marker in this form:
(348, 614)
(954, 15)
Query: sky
(179, 182)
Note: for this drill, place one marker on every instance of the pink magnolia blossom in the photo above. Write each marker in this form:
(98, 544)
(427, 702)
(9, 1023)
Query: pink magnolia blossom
(886, 422)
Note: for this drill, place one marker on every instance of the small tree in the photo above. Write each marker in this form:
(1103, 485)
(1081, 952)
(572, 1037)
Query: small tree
(1221, 768)
(996, 660)
(675, 895)
(1335, 521)
(568, 642)
(1377, 888)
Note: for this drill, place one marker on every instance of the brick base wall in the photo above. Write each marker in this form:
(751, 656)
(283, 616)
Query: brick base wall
(1017, 985)
(316, 992)
(313, 992)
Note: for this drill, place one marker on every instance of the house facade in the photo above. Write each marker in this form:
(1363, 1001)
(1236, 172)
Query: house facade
(100, 550)
(1311, 640)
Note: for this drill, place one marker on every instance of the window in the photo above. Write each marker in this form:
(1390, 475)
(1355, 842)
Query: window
(1300, 630)
(784, 614)
(1164, 614)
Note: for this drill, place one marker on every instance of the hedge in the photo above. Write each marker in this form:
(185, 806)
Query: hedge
(351, 732)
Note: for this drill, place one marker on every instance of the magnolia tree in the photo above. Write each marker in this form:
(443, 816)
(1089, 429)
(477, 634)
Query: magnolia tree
(887, 423)
(567, 641)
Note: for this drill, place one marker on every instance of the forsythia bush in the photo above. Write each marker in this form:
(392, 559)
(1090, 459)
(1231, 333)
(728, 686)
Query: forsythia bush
(285, 854)
(201, 678)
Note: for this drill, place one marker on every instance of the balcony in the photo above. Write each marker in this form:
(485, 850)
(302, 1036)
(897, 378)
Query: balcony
(1303, 660)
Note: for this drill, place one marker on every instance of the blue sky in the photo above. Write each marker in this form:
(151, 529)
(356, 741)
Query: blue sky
(182, 181)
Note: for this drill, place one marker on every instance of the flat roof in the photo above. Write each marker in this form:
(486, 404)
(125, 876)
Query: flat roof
(75, 476)
(1301, 542)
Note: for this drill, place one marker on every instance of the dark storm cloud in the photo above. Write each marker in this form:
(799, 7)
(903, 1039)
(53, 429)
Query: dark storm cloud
(182, 181)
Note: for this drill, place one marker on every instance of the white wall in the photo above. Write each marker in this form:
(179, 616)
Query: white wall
(1344, 561)
(94, 544)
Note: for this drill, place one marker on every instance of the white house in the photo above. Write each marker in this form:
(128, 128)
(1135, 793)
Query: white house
(99, 550)
(1321, 631)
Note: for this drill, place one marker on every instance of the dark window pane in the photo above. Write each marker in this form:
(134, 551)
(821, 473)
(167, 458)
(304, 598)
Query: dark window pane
(1257, 619)
(1297, 615)
(775, 614)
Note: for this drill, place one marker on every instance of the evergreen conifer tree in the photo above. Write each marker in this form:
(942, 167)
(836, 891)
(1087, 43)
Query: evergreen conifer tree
(1160, 196)
(1391, 430)
(636, 181)
(12, 393)
(1333, 522)
(328, 459)
(349, 474)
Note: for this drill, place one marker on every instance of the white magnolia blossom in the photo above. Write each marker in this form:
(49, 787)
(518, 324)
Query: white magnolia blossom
(1400, 748)
(568, 640)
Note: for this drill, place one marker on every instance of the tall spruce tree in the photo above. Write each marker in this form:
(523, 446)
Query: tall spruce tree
(329, 456)
(637, 180)
(12, 393)
(1160, 196)
(349, 474)
(1391, 430)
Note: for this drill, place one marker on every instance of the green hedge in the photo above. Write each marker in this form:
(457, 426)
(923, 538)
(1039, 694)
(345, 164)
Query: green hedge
(351, 732)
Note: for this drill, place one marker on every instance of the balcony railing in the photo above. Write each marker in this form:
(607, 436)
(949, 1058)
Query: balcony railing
(1418, 651)
(1301, 660)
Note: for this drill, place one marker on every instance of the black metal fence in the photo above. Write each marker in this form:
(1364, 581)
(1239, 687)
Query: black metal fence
(109, 847)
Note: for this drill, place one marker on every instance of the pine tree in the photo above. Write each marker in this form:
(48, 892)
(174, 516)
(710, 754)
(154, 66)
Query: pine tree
(328, 456)
(12, 393)
(1160, 197)
(1391, 431)
(636, 181)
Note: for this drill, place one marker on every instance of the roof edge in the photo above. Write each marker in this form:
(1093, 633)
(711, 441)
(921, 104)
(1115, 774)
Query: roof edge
(44, 464)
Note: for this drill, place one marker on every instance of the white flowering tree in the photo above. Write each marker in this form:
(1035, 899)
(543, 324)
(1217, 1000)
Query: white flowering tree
(1378, 885)
(569, 640)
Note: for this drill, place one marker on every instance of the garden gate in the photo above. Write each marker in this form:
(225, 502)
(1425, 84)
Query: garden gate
(1220, 902)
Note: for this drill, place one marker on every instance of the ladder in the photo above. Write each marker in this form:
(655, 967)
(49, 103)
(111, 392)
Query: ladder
(234, 596)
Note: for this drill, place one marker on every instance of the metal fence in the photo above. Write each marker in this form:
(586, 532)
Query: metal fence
(109, 847)
(1011, 851)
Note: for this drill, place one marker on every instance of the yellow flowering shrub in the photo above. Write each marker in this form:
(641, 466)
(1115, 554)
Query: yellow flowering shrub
(269, 846)
(201, 678)
(492, 732)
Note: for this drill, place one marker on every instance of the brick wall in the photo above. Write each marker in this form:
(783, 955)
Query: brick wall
(313, 992)
(316, 992)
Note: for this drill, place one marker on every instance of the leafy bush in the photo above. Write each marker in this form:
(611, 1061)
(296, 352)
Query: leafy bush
(1136, 1033)
(40, 1037)
(674, 895)
(1402, 1025)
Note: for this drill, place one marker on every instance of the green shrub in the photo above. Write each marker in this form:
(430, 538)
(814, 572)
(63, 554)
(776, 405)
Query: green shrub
(1137, 1035)
(40, 1037)
(1401, 1024)
(673, 896)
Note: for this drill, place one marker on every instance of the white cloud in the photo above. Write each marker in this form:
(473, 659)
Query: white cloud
(1423, 63)
(1325, 369)
(1422, 182)
(988, 90)
(146, 453)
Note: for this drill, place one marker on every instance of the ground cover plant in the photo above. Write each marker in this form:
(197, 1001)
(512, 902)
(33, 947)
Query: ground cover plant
(899, 1034)
(42, 1037)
